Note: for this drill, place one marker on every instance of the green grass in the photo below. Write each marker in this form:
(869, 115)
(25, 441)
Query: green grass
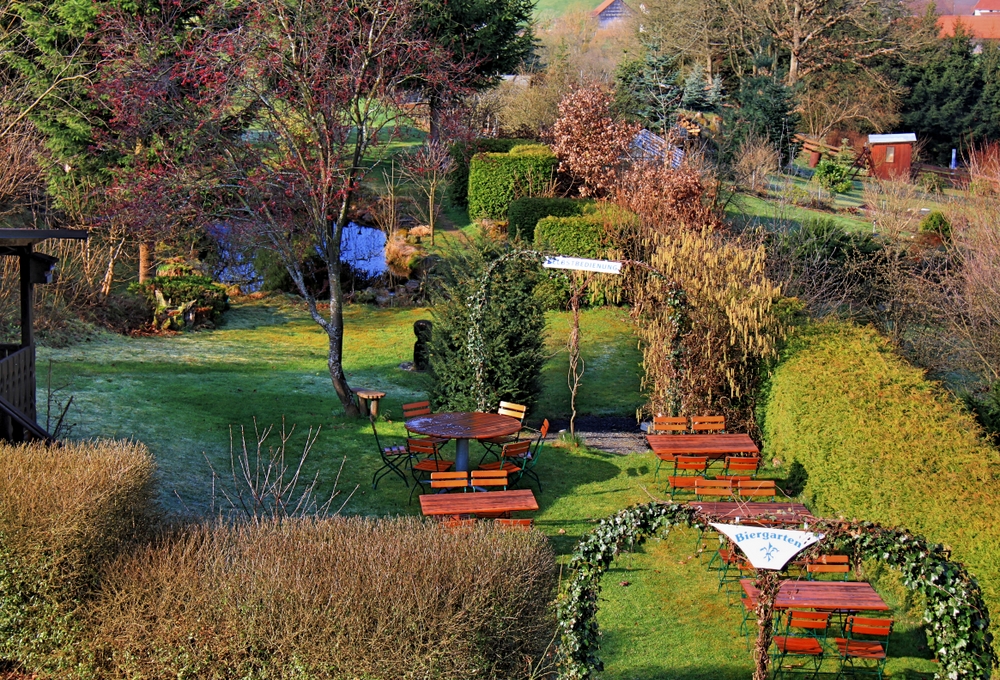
(181, 394)
(748, 210)
(548, 9)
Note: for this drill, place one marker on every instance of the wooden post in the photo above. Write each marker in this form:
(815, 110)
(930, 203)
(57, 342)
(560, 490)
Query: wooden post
(27, 297)
(767, 583)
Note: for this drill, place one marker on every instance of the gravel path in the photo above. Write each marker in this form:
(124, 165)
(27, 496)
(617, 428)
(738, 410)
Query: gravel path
(613, 434)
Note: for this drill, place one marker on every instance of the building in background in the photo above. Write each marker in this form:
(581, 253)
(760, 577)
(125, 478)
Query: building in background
(892, 155)
(611, 12)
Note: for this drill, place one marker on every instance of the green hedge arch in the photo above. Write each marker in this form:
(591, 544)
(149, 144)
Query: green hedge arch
(957, 620)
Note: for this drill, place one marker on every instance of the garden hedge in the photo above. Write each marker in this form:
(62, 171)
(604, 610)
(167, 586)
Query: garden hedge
(882, 443)
(461, 155)
(496, 179)
(579, 236)
(524, 213)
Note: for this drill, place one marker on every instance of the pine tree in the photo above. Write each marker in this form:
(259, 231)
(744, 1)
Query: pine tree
(944, 88)
(695, 95)
(765, 109)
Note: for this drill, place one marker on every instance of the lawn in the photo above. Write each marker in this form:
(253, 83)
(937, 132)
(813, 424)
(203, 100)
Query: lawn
(182, 394)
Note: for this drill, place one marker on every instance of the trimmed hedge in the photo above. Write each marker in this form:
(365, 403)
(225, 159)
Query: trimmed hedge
(496, 179)
(461, 155)
(882, 443)
(524, 213)
(579, 236)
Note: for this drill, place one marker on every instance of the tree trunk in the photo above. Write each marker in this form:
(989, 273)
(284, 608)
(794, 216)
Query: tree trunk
(146, 269)
(335, 329)
(767, 584)
(434, 116)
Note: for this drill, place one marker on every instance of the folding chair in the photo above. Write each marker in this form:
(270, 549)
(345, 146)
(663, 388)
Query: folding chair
(802, 644)
(421, 408)
(864, 645)
(454, 479)
(494, 444)
(708, 424)
(740, 467)
(828, 564)
(756, 488)
(428, 465)
(668, 425)
(519, 458)
(484, 479)
(712, 488)
(393, 457)
(686, 470)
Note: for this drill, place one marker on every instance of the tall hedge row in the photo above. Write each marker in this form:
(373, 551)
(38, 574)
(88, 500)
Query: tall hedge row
(496, 179)
(882, 443)
(524, 213)
(462, 153)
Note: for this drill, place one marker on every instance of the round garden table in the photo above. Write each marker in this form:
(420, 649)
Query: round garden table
(462, 427)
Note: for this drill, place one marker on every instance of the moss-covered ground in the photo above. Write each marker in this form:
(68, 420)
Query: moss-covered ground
(184, 395)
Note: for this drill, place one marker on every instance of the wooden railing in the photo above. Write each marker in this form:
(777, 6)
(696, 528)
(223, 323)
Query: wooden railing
(17, 378)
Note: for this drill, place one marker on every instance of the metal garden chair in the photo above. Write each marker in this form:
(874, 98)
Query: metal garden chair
(394, 458)
(801, 648)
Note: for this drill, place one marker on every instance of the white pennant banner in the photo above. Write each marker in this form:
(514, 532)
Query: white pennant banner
(768, 548)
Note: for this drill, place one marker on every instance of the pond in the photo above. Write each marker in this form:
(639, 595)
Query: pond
(361, 247)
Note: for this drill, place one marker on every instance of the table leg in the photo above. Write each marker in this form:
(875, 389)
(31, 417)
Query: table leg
(462, 455)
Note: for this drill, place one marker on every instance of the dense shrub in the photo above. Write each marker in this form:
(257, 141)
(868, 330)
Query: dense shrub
(881, 443)
(461, 155)
(524, 213)
(496, 179)
(337, 598)
(177, 301)
(935, 222)
(580, 236)
(832, 176)
(488, 292)
(64, 512)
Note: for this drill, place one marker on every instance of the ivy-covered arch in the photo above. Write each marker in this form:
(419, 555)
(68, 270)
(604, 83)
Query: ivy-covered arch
(958, 622)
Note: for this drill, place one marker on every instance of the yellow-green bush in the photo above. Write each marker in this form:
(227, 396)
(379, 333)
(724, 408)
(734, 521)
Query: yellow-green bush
(496, 179)
(335, 598)
(882, 443)
(64, 512)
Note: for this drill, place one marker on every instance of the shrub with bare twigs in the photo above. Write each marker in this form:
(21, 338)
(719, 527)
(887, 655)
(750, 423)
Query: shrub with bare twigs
(358, 597)
(65, 511)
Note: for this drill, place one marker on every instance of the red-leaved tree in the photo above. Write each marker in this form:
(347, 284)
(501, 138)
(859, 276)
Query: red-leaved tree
(591, 142)
(276, 111)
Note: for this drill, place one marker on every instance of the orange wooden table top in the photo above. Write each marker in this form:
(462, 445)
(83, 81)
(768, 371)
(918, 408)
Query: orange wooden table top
(715, 445)
(464, 425)
(853, 596)
(488, 502)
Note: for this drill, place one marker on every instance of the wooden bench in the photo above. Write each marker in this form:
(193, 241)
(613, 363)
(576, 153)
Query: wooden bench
(485, 503)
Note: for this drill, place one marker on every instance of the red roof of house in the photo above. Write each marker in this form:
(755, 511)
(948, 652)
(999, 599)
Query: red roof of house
(603, 6)
(983, 27)
(987, 6)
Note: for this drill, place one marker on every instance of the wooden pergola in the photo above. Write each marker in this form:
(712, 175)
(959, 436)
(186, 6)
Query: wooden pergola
(17, 361)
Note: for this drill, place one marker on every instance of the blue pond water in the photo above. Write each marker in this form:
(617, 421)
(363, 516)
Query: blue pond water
(363, 248)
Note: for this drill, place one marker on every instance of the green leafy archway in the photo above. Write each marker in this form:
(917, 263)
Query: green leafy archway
(957, 620)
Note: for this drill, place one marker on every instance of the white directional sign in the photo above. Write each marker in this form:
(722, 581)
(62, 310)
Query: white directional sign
(583, 265)
(768, 548)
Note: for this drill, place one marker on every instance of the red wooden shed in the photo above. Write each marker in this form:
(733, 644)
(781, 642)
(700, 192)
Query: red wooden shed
(892, 154)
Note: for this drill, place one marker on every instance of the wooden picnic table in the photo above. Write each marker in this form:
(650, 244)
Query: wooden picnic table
(752, 512)
(666, 446)
(485, 502)
(462, 427)
(851, 596)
